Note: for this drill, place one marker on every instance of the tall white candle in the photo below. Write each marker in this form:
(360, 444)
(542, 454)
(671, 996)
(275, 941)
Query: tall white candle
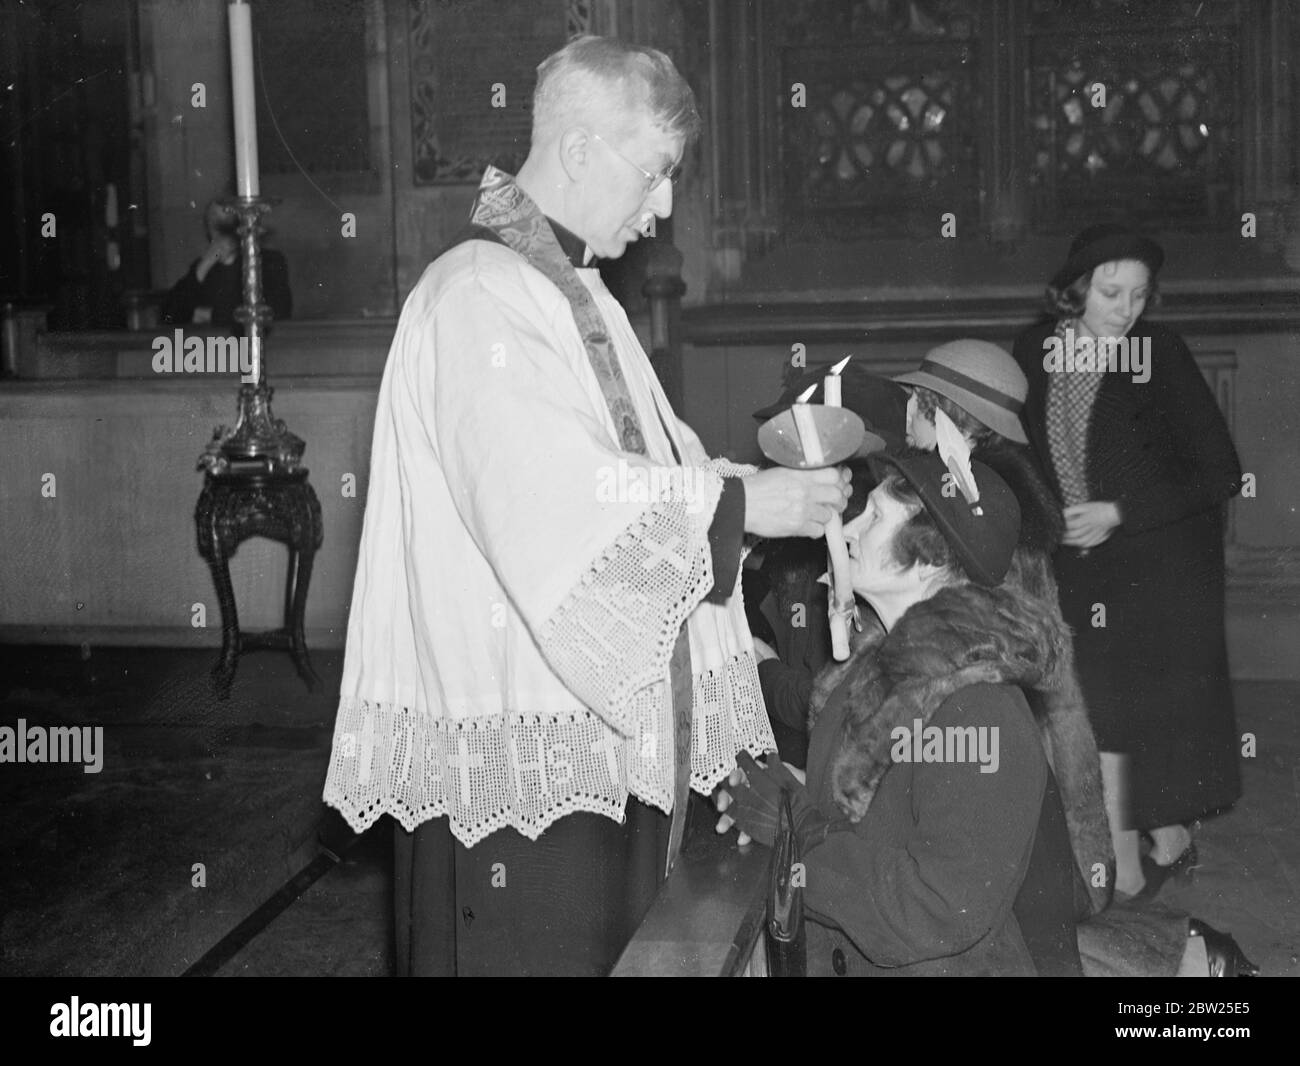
(807, 429)
(840, 604)
(241, 81)
(833, 383)
(834, 396)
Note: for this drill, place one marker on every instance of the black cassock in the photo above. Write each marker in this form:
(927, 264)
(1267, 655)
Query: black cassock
(564, 905)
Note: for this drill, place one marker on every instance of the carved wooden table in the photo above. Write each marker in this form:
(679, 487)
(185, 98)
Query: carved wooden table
(280, 507)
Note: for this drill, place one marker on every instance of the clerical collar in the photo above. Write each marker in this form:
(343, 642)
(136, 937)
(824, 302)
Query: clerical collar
(572, 245)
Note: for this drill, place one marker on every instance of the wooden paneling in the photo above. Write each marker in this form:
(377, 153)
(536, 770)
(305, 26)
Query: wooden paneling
(112, 555)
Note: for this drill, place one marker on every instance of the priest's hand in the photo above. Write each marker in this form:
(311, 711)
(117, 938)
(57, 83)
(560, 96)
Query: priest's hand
(794, 503)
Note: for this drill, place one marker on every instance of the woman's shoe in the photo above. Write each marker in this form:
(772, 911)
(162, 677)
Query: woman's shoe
(1224, 954)
(1156, 875)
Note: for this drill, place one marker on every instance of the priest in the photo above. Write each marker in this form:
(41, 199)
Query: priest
(538, 668)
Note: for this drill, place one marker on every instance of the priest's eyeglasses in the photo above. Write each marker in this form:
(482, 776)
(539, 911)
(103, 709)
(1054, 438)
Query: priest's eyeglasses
(652, 181)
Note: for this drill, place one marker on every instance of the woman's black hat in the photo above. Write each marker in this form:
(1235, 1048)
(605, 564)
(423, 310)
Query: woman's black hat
(983, 536)
(1105, 243)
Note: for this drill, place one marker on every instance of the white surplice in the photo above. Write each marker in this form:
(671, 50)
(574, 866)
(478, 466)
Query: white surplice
(521, 580)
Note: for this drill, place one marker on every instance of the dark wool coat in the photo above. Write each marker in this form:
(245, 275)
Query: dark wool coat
(803, 650)
(1057, 702)
(1155, 676)
(929, 878)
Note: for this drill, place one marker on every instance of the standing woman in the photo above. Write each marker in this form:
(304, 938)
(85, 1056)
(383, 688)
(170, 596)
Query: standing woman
(1143, 463)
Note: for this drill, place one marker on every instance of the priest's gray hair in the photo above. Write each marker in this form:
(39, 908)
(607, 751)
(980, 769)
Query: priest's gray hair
(607, 86)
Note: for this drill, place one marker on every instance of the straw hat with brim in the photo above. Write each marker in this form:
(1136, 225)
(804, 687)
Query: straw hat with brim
(983, 535)
(1107, 243)
(980, 378)
(880, 404)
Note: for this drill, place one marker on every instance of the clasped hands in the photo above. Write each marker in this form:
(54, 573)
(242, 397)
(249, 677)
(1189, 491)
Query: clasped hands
(1089, 524)
(751, 801)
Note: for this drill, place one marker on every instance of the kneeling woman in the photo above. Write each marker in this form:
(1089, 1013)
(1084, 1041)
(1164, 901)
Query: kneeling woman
(929, 797)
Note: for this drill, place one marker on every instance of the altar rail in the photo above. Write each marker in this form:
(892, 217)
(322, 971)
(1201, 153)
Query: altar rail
(707, 919)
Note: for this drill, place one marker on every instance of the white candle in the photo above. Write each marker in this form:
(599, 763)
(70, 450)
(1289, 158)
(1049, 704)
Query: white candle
(834, 397)
(241, 81)
(833, 383)
(807, 429)
(840, 603)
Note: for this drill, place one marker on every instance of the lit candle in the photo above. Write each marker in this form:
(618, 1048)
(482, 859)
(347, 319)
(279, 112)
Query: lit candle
(807, 429)
(834, 395)
(241, 81)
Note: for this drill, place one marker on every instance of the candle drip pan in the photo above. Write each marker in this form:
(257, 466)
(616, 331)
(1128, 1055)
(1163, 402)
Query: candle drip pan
(842, 434)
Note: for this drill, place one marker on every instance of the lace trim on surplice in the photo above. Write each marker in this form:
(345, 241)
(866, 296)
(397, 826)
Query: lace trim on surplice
(526, 770)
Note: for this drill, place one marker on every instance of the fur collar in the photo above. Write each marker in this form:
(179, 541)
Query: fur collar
(961, 636)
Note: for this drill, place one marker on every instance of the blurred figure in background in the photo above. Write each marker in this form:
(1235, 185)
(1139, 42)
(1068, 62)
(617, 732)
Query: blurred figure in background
(213, 286)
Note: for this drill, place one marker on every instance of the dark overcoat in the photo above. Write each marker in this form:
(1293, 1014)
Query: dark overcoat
(953, 867)
(1155, 674)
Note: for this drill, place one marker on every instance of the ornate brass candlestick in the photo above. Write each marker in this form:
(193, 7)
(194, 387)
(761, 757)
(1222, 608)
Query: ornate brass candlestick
(259, 443)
